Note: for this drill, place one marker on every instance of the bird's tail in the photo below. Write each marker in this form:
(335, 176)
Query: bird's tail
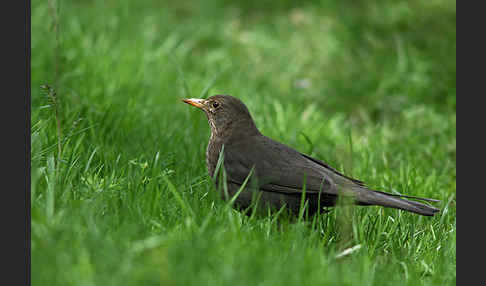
(371, 197)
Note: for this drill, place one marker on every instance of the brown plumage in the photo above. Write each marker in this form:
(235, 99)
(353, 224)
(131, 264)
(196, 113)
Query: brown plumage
(279, 171)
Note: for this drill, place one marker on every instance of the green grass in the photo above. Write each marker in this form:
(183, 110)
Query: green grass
(367, 86)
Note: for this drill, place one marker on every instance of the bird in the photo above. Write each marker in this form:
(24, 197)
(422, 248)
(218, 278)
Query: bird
(260, 169)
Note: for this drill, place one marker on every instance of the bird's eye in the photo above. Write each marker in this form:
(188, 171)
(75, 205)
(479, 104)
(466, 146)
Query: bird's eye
(215, 104)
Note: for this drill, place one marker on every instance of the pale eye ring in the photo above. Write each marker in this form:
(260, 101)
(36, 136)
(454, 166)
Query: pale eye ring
(215, 104)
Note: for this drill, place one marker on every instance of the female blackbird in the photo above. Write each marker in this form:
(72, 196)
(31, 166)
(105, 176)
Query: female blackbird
(279, 174)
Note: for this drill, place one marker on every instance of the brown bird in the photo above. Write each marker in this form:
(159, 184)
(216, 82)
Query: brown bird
(278, 172)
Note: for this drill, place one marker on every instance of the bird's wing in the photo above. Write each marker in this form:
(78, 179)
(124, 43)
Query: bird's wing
(358, 182)
(280, 168)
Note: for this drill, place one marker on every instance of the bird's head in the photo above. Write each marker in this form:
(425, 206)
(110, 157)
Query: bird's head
(227, 116)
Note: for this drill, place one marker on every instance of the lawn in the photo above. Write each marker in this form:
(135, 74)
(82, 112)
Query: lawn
(120, 192)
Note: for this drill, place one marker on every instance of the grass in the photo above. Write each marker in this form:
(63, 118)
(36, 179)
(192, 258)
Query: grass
(367, 86)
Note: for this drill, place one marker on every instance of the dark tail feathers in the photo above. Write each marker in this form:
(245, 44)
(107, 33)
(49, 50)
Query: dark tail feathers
(371, 197)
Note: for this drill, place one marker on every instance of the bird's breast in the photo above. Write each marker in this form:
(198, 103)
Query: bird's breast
(212, 154)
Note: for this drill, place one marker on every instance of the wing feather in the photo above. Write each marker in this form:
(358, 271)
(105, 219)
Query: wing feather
(282, 169)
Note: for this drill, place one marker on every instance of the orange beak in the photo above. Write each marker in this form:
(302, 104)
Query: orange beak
(199, 103)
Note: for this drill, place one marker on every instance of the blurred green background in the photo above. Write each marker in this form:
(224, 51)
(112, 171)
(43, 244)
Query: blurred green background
(367, 86)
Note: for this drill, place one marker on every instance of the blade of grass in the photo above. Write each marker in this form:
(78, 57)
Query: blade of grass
(187, 209)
